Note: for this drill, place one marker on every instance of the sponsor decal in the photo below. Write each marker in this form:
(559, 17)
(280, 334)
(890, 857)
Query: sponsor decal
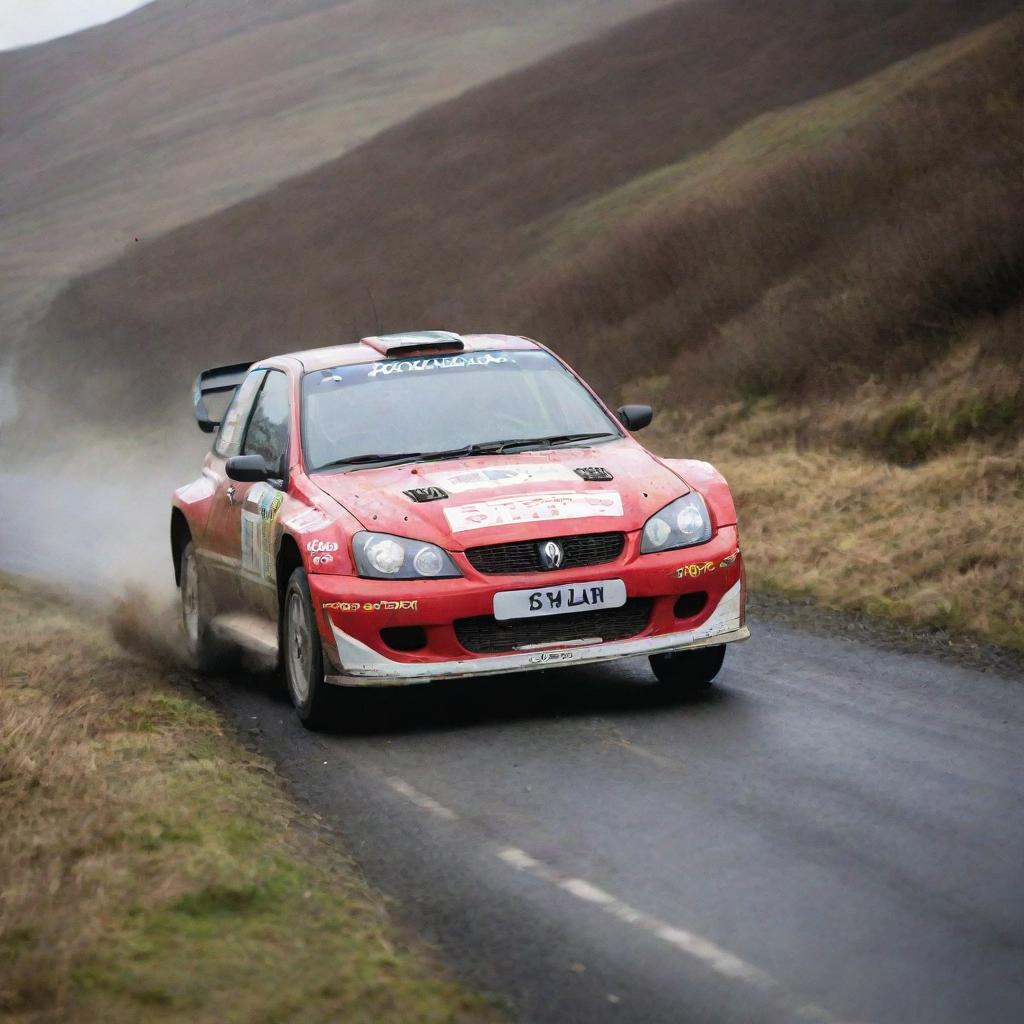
(696, 569)
(307, 521)
(386, 369)
(550, 656)
(372, 606)
(262, 504)
(502, 476)
(314, 546)
(321, 550)
(533, 508)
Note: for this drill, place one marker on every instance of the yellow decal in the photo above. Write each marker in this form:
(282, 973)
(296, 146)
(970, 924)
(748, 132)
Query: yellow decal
(728, 560)
(372, 606)
(697, 569)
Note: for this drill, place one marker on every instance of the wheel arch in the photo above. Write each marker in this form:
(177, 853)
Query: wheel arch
(289, 558)
(181, 534)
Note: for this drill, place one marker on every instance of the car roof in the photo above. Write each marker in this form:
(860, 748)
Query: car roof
(362, 352)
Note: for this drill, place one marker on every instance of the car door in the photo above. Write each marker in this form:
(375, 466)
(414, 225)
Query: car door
(268, 434)
(221, 548)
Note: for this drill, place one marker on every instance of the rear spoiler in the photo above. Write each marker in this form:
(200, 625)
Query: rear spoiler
(214, 382)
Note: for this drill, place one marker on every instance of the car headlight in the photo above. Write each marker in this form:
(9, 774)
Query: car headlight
(380, 556)
(680, 525)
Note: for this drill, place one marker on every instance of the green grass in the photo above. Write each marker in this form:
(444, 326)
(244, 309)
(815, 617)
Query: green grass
(156, 870)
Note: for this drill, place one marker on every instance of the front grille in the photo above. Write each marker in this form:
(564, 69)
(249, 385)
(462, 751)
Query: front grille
(484, 634)
(524, 555)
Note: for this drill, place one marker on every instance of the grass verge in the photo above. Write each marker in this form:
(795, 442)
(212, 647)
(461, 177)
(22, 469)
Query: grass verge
(153, 869)
(937, 544)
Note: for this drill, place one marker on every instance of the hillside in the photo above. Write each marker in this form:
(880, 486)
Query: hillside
(798, 231)
(181, 108)
(438, 216)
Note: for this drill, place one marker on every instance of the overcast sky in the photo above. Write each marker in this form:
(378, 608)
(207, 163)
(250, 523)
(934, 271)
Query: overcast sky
(31, 21)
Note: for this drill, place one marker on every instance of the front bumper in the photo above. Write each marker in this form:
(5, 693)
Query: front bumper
(352, 612)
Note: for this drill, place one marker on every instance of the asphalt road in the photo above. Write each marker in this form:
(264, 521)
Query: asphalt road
(836, 833)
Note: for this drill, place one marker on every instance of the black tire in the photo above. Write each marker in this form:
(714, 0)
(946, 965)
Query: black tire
(688, 671)
(200, 645)
(302, 656)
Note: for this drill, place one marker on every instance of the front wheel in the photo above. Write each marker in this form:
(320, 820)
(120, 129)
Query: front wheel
(303, 656)
(688, 671)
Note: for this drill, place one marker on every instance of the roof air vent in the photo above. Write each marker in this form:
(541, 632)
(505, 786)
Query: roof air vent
(416, 342)
(594, 473)
(426, 494)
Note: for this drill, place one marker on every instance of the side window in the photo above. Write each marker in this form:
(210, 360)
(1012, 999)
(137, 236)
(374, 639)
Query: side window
(267, 434)
(229, 438)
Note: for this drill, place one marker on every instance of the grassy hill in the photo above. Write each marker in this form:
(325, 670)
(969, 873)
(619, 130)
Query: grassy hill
(796, 226)
(181, 108)
(439, 217)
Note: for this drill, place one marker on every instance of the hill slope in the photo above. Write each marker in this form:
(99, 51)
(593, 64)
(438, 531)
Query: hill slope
(180, 108)
(437, 215)
(807, 249)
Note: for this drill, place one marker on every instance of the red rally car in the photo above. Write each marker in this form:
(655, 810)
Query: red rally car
(423, 506)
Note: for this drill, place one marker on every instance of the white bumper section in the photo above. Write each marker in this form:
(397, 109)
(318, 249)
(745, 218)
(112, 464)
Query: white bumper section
(364, 666)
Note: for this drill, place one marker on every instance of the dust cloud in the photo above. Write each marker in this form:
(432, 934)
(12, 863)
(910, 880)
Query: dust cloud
(89, 515)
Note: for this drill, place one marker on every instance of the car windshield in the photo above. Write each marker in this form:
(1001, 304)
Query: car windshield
(403, 409)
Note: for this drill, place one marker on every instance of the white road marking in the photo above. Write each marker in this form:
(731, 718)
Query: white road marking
(428, 803)
(719, 960)
(706, 952)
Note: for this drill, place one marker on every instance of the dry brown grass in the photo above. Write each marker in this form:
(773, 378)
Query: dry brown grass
(862, 254)
(938, 543)
(152, 869)
(439, 216)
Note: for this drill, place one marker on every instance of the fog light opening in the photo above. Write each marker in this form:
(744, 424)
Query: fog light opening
(689, 605)
(404, 638)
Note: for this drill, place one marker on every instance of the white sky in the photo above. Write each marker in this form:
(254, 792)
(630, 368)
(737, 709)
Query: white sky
(32, 21)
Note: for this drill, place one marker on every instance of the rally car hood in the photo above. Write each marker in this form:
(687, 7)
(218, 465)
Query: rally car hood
(492, 499)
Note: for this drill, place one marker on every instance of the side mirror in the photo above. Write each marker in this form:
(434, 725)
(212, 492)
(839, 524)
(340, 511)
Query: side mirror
(247, 469)
(634, 417)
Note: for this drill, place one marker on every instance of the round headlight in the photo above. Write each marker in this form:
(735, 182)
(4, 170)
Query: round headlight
(428, 562)
(657, 532)
(386, 556)
(690, 522)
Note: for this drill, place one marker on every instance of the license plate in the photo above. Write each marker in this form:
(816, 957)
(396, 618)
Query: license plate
(559, 600)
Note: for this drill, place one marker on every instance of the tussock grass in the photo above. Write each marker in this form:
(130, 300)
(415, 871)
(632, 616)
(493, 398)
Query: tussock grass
(152, 869)
(823, 261)
(937, 543)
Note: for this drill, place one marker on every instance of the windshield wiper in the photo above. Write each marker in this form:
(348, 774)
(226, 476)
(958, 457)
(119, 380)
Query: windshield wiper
(371, 457)
(552, 440)
(497, 447)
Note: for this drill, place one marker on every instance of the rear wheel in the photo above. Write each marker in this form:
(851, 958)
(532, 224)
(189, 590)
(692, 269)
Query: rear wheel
(195, 622)
(303, 656)
(690, 671)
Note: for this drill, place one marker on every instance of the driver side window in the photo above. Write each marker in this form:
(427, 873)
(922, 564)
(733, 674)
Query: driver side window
(229, 437)
(268, 430)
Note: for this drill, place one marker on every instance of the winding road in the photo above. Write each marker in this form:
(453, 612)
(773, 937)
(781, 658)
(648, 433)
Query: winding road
(835, 833)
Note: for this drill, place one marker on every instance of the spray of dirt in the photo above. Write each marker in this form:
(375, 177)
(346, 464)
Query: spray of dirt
(90, 516)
